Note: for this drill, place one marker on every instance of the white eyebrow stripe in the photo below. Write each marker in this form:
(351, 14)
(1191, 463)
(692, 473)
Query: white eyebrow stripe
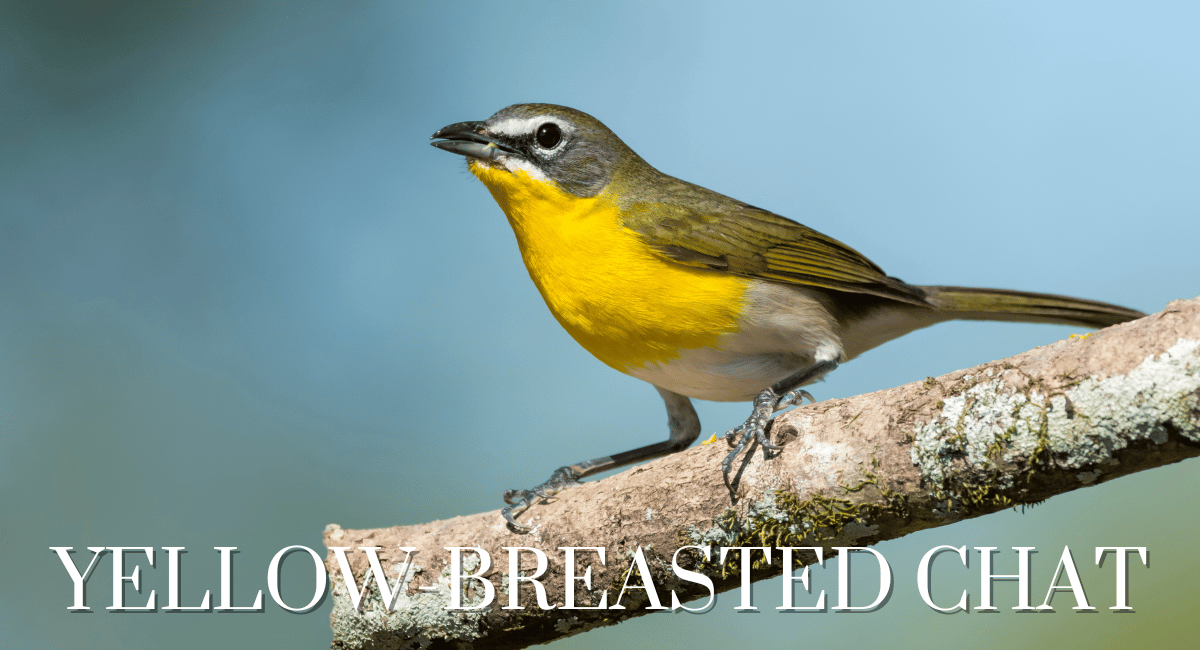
(513, 126)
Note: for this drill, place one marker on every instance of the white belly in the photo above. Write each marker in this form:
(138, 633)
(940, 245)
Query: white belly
(784, 329)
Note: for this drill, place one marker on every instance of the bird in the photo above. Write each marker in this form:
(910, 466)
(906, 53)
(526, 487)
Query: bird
(696, 293)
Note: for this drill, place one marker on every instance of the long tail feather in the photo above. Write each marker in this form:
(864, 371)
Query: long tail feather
(1022, 306)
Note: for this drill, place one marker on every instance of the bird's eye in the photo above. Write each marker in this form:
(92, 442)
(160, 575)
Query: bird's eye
(548, 135)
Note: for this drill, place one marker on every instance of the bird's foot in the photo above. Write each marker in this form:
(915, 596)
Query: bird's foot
(520, 500)
(755, 427)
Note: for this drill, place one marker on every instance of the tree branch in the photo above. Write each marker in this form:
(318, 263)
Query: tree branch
(853, 472)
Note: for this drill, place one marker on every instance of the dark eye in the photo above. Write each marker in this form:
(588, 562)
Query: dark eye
(548, 135)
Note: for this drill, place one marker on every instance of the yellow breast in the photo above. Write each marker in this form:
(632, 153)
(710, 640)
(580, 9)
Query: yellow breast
(618, 299)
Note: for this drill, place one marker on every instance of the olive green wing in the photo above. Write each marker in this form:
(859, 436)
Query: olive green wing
(712, 231)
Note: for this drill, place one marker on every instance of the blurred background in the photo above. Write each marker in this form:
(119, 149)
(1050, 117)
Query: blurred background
(241, 297)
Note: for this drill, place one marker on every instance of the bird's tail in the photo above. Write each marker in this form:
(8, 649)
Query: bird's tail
(1003, 305)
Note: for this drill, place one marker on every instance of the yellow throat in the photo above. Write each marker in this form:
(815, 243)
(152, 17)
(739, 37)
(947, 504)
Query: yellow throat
(619, 300)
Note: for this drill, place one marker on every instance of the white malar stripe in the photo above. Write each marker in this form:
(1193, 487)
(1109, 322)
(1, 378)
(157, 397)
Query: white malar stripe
(517, 163)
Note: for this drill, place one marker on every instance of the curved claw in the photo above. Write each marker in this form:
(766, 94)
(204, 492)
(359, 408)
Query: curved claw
(760, 435)
(797, 397)
(727, 464)
(510, 513)
(755, 427)
(520, 500)
(731, 436)
(794, 398)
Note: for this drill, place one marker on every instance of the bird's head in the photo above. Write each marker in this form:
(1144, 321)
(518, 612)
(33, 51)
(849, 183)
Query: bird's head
(539, 143)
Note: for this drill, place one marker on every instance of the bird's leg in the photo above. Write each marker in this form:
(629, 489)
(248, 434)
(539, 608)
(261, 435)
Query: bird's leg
(685, 428)
(779, 396)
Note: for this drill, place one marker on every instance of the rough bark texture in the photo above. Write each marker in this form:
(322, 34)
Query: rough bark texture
(852, 472)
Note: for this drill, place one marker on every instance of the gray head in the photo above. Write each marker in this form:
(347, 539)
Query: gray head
(570, 147)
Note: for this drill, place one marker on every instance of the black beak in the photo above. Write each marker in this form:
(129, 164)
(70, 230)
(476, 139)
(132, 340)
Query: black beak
(468, 139)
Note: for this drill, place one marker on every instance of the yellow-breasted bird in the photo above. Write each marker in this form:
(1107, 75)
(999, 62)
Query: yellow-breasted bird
(696, 293)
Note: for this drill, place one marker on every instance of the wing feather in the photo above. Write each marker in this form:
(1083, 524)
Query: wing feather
(698, 227)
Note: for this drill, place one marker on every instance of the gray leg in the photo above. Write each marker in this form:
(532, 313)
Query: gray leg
(776, 398)
(685, 428)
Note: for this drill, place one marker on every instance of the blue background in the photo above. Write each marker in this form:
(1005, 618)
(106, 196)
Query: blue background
(241, 297)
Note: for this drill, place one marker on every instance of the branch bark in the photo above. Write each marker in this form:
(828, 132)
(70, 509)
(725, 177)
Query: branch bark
(853, 472)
